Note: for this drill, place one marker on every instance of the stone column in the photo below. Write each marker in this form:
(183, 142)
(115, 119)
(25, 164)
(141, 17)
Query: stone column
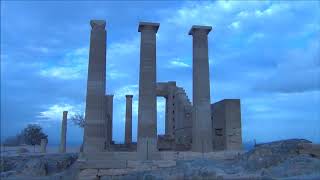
(109, 119)
(94, 131)
(128, 128)
(147, 112)
(63, 132)
(202, 131)
(43, 145)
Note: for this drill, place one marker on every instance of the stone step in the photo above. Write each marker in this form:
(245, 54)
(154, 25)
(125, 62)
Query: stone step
(112, 156)
(123, 164)
(102, 164)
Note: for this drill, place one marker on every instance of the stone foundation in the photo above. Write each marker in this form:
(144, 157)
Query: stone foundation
(124, 163)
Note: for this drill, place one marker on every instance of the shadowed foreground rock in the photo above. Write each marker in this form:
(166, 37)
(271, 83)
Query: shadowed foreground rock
(28, 166)
(288, 159)
(270, 154)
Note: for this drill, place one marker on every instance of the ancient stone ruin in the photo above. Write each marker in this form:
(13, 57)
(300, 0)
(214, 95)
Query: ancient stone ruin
(191, 128)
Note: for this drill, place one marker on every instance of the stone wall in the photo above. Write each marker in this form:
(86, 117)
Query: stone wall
(226, 124)
(178, 120)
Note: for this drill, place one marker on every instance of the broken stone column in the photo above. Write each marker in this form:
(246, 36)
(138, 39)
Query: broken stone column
(94, 131)
(128, 128)
(202, 131)
(63, 132)
(147, 112)
(43, 145)
(109, 119)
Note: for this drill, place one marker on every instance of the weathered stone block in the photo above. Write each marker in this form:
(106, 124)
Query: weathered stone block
(226, 124)
(88, 174)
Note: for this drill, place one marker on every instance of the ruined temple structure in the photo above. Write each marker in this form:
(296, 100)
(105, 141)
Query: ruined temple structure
(190, 127)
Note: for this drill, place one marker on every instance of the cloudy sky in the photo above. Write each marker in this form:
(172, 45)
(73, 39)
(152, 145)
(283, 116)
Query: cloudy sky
(265, 53)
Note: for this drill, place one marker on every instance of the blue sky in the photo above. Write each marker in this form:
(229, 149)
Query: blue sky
(265, 53)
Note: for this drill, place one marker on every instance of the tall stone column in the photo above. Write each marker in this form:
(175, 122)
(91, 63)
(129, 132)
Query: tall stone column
(109, 119)
(128, 128)
(202, 131)
(147, 112)
(63, 132)
(94, 131)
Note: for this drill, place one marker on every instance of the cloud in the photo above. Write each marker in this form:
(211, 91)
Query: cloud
(73, 65)
(299, 71)
(39, 49)
(288, 82)
(115, 74)
(61, 72)
(54, 112)
(178, 63)
(123, 48)
(126, 90)
(235, 25)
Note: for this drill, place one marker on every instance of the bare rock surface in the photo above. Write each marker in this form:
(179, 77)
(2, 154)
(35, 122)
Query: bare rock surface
(271, 154)
(36, 165)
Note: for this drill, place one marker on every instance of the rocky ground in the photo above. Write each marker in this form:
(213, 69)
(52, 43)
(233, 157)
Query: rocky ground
(288, 159)
(38, 166)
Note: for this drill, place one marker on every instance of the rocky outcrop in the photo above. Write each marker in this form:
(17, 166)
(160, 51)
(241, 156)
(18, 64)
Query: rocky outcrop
(310, 149)
(36, 165)
(271, 154)
(300, 165)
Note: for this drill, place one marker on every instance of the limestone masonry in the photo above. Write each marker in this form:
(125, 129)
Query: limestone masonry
(197, 126)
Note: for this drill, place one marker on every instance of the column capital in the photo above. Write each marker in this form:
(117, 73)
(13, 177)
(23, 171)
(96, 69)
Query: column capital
(98, 24)
(65, 113)
(197, 28)
(129, 96)
(148, 25)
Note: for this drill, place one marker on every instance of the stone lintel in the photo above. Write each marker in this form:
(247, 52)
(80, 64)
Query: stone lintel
(195, 28)
(154, 26)
(129, 96)
(98, 24)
